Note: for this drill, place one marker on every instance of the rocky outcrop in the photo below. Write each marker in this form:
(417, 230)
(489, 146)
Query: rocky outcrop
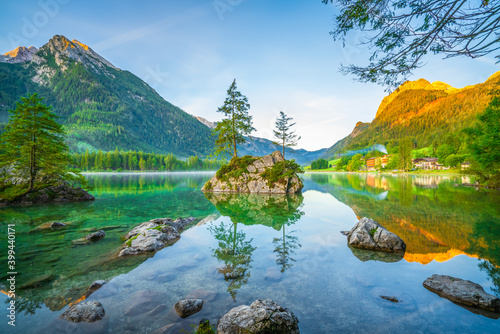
(187, 307)
(462, 292)
(262, 316)
(154, 235)
(270, 174)
(61, 192)
(88, 311)
(368, 234)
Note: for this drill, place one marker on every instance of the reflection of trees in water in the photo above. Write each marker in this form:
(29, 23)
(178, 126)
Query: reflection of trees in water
(235, 252)
(405, 190)
(484, 241)
(276, 211)
(285, 248)
(135, 183)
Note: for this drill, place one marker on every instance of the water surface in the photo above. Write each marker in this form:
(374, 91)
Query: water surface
(247, 247)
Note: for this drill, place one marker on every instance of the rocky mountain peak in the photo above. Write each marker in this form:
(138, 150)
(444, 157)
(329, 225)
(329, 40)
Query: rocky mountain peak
(20, 54)
(61, 47)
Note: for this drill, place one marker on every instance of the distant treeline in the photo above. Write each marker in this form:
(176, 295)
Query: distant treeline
(138, 161)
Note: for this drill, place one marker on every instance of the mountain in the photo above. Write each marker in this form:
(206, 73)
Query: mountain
(100, 105)
(423, 111)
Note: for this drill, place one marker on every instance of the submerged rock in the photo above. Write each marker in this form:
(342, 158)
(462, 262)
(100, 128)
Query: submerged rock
(154, 235)
(96, 235)
(462, 292)
(57, 225)
(88, 311)
(187, 307)
(96, 285)
(368, 234)
(265, 175)
(262, 316)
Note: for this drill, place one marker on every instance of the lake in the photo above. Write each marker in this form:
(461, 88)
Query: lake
(245, 247)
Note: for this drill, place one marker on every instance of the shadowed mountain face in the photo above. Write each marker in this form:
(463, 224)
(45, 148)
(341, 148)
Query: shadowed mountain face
(421, 110)
(100, 106)
(436, 219)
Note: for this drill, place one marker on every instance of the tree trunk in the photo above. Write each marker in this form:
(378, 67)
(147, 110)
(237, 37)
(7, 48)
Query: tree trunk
(283, 147)
(235, 154)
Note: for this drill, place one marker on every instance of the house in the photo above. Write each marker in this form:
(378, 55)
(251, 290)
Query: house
(371, 163)
(465, 165)
(427, 163)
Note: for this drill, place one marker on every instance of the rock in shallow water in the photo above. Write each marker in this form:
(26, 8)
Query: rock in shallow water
(187, 307)
(96, 235)
(262, 316)
(154, 235)
(88, 311)
(368, 234)
(463, 292)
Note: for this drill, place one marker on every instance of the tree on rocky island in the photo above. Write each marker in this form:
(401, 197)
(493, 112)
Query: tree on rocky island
(237, 124)
(403, 32)
(286, 137)
(32, 149)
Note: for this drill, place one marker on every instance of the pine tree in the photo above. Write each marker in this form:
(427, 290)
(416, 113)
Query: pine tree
(232, 130)
(85, 160)
(404, 154)
(286, 137)
(33, 147)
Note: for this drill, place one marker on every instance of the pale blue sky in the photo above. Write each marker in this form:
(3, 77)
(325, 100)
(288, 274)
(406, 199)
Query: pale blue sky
(280, 53)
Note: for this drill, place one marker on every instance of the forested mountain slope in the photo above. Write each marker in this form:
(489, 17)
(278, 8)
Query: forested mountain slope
(100, 106)
(424, 111)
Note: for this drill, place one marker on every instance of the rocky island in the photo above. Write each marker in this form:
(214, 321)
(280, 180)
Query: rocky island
(270, 174)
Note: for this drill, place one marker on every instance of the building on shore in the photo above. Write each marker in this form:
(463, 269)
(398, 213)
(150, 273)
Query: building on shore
(377, 163)
(427, 164)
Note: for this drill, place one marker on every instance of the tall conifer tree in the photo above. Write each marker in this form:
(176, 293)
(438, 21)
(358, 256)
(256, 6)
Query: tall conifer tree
(286, 137)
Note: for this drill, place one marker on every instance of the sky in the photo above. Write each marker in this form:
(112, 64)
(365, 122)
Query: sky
(280, 53)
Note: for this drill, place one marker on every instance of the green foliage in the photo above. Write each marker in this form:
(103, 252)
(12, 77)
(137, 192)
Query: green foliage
(131, 161)
(235, 168)
(355, 163)
(33, 149)
(485, 145)
(319, 164)
(372, 232)
(286, 137)
(237, 124)
(281, 172)
(402, 33)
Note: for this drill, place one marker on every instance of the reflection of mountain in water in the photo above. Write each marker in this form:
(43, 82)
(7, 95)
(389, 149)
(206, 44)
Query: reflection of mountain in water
(435, 218)
(234, 250)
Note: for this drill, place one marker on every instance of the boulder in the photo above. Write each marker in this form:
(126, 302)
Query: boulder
(462, 292)
(88, 311)
(250, 177)
(154, 235)
(187, 307)
(96, 235)
(57, 225)
(262, 316)
(368, 234)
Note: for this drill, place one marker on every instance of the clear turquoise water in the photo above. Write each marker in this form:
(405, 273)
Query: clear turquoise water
(250, 247)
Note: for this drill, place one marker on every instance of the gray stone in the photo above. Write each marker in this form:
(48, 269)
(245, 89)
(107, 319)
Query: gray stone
(462, 292)
(96, 235)
(187, 307)
(57, 225)
(88, 311)
(96, 285)
(262, 316)
(252, 181)
(153, 235)
(368, 234)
